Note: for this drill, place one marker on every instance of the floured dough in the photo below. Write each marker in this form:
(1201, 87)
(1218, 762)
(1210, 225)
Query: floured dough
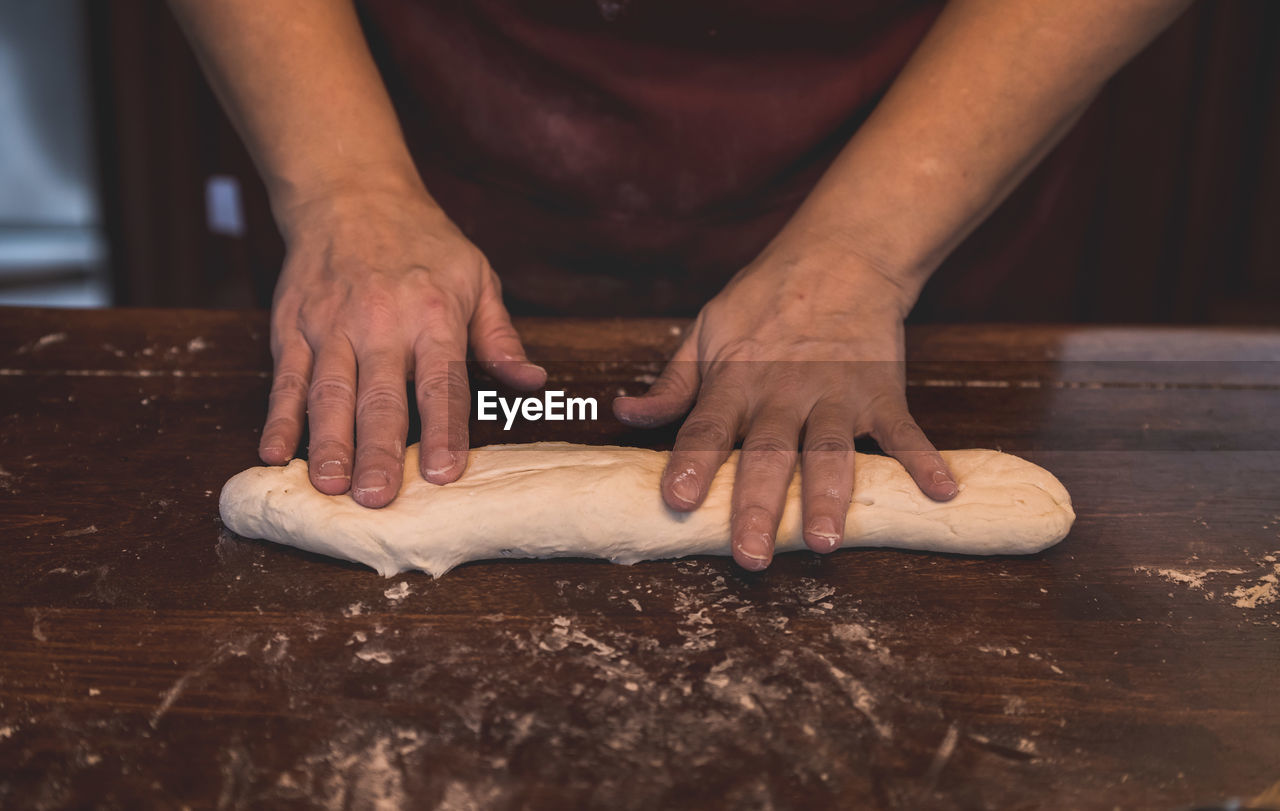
(554, 499)
(558, 499)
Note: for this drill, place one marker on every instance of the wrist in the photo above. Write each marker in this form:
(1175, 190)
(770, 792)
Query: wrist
(841, 257)
(338, 193)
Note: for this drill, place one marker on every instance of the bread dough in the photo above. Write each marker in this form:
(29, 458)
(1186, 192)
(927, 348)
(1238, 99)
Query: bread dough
(553, 499)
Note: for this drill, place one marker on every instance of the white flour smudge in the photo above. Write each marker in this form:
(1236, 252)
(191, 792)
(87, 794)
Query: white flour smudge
(375, 653)
(1262, 587)
(40, 343)
(1263, 592)
(399, 591)
(1191, 578)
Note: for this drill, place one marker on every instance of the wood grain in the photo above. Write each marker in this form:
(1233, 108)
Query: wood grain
(151, 659)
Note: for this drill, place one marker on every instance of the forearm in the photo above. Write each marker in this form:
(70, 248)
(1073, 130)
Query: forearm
(298, 81)
(991, 89)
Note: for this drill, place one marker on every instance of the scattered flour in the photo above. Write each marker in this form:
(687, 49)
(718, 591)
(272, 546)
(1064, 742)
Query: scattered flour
(1260, 594)
(374, 653)
(1192, 578)
(399, 591)
(1258, 589)
(76, 533)
(862, 699)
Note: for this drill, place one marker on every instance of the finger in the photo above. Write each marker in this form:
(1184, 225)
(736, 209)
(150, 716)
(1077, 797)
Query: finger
(382, 420)
(900, 437)
(765, 469)
(331, 403)
(671, 395)
(702, 444)
(440, 384)
(497, 345)
(827, 467)
(287, 405)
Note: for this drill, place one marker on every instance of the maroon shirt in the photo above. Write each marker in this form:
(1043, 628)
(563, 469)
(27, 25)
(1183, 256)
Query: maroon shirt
(629, 157)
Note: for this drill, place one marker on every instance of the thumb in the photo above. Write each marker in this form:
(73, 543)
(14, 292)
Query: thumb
(496, 343)
(670, 396)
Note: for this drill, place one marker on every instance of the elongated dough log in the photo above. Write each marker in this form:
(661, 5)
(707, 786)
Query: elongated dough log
(555, 499)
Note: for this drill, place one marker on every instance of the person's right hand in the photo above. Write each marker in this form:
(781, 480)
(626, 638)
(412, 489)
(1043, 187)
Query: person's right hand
(377, 287)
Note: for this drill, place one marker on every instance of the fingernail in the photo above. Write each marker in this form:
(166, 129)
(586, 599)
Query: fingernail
(277, 449)
(331, 469)
(757, 550)
(685, 488)
(370, 481)
(941, 477)
(825, 530)
(440, 461)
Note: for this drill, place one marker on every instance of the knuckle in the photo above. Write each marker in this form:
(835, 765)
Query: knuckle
(904, 424)
(738, 349)
(330, 391)
(437, 311)
(435, 341)
(829, 443)
(288, 386)
(372, 449)
(769, 446)
(705, 433)
(498, 333)
(377, 306)
(885, 404)
(380, 399)
(495, 283)
(440, 383)
(288, 343)
(904, 429)
(664, 385)
(768, 459)
(770, 463)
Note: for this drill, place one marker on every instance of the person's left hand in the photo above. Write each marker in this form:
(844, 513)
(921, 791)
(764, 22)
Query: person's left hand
(801, 349)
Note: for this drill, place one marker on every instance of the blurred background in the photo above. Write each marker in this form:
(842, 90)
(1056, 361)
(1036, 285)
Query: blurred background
(121, 182)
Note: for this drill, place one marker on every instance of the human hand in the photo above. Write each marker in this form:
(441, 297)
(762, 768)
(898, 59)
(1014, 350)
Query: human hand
(379, 286)
(797, 343)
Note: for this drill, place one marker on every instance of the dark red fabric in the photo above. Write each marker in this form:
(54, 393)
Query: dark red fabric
(628, 157)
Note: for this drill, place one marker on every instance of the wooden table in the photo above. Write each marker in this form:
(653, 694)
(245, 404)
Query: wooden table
(152, 659)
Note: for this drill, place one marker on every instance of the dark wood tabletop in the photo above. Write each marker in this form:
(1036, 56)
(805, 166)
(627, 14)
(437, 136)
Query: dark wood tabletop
(150, 658)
